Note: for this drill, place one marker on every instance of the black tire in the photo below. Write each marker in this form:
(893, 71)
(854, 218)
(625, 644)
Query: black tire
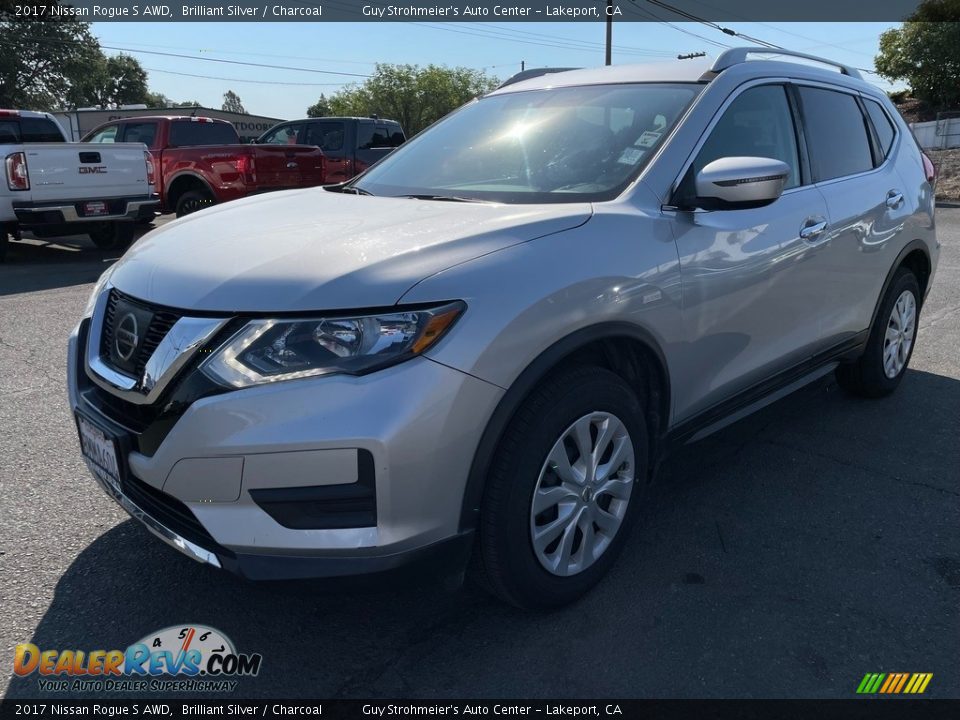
(111, 235)
(866, 377)
(505, 562)
(4, 242)
(192, 201)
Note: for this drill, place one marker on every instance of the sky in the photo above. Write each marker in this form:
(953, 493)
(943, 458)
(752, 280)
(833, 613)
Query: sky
(322, 57)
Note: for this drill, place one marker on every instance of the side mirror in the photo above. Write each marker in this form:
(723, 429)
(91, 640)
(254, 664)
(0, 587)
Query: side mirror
(735, 183)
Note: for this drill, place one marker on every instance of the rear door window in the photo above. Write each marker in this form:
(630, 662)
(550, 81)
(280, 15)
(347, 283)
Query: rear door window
(187, 133)
(836, 133)
(365, 133)
(40, 130)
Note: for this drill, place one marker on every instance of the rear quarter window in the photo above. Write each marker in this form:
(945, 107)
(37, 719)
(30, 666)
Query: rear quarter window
(186, 133)
(836, 133)
(882, 125)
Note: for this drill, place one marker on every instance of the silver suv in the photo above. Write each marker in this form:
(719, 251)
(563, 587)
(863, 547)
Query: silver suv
(479, 350)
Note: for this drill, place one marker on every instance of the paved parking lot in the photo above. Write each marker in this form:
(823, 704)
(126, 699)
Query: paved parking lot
(786, 556)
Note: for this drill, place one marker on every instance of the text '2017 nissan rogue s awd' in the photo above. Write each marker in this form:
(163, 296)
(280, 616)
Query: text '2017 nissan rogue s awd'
(477, 351)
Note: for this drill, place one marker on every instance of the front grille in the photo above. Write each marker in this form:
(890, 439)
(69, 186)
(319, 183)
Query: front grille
(171, 513)
(160, 323)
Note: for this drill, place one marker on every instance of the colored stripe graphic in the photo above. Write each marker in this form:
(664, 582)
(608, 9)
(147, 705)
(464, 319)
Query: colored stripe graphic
(894, 683)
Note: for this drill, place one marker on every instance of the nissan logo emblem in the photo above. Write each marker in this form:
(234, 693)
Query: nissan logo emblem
(126, 337)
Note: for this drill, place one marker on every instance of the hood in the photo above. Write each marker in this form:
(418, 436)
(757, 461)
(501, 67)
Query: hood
(317, 250)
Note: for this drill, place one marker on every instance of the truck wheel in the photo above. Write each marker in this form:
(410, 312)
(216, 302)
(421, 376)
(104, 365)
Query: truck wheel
(4, 241)
(107, 236)
(192, 201)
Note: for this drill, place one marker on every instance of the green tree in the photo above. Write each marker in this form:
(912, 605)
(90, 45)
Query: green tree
(232, 103)
(923, 52)
(41, 62)
(157, 100)
(110, 82)
(321, 108)
(413, 95)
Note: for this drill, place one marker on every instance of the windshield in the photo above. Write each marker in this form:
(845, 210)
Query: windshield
(570, 144)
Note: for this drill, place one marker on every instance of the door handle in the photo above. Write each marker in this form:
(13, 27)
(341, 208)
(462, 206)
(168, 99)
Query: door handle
(813, 230)
(291, 165)
(894, 199)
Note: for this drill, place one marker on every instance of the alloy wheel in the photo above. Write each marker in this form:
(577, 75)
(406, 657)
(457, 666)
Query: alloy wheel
(899, 336)
(582, 494)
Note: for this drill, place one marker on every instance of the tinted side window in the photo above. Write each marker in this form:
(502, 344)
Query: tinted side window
(327, 136)
(758, 123)
(105, 135)
(185, 133)
(9, 131)
(365, 136)
(836, 133)
(39, 130)
(883, 126)
(396, 135)
(145, 133)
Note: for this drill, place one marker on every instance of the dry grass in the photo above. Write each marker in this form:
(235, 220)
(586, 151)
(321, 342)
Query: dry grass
(947, 163)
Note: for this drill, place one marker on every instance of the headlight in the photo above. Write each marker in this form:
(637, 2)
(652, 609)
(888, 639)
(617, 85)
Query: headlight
(272, 350)
(95, 293)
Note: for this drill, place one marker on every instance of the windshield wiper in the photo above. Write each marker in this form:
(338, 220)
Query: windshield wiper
(348, 189)
(443, 198)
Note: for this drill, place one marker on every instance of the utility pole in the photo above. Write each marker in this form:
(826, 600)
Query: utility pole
(609, 32)
(523, 65)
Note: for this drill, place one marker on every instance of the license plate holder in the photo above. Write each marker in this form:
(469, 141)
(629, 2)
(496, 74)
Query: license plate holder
(102, 450)
(95, 208)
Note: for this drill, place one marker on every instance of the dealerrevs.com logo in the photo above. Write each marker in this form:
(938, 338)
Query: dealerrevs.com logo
(181, 658)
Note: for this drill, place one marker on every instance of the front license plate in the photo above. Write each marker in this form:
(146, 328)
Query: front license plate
(95, 208)
(101, 451)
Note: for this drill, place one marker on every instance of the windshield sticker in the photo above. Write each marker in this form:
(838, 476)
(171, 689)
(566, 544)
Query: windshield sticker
(648, 139)
(630, 156)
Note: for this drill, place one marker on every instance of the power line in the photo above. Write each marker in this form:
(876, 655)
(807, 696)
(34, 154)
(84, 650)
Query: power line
(194, 57)
(241, 80)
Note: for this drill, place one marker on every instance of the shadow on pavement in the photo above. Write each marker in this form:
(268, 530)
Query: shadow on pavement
(785, 556)
(43, 264)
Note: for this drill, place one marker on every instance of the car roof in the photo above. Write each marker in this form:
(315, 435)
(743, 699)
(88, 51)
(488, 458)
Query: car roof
(735, 61)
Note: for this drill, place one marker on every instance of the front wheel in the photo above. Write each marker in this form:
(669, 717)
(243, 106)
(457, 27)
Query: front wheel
(880, 369)
(563, 489)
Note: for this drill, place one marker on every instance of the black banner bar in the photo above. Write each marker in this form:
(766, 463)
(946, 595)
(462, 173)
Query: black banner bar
(893, 708)
(462, 11)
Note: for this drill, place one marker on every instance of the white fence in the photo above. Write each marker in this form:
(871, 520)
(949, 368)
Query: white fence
(938, 134)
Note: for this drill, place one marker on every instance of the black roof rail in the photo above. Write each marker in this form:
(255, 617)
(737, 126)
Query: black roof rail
(532, 73)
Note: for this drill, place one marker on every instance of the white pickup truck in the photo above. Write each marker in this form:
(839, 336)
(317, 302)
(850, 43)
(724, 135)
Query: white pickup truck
(54, 187)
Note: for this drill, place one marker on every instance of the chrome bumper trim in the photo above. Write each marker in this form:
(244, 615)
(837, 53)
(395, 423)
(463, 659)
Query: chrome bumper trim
(191, 550)
(69, 212)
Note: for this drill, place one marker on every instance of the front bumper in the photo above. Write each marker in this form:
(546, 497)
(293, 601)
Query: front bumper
(201, 489)
(59, 213)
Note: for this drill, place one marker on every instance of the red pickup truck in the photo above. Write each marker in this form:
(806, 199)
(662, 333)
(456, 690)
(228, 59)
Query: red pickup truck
(200, 161)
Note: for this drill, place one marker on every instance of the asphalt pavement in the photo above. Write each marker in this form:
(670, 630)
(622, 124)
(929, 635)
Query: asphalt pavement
(785, 556)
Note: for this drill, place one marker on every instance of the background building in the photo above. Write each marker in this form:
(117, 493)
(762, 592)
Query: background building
(78, 123)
